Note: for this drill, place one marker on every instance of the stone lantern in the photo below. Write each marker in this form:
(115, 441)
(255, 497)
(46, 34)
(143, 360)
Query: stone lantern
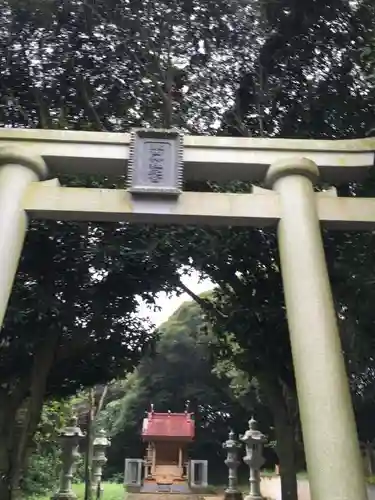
(69, 438)
(254, 441)
(99, 459)
(232, 462)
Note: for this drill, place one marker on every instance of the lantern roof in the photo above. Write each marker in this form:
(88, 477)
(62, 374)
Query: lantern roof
(253, 434)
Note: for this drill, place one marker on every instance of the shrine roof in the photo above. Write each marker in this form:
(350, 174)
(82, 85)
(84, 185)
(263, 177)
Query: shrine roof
(168, 425)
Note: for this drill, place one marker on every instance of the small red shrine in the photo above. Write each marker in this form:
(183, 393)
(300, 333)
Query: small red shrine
(167, 436)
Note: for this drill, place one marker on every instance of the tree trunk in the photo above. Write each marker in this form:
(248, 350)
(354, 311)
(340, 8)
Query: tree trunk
(284, 431)
(89, 446)
(5, 486)
(10, 401)
(285, 451)
(42, 364)
(19, 418)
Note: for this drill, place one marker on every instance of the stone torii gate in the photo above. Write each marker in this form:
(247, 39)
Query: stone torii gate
(156, 161)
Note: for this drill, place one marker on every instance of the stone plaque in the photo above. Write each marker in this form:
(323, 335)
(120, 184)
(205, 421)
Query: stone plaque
(155, 162)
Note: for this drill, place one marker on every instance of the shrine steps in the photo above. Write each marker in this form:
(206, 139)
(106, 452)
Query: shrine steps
(171, 488)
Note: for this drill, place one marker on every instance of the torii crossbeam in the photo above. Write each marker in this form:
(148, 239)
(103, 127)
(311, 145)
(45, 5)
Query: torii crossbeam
(289, 168)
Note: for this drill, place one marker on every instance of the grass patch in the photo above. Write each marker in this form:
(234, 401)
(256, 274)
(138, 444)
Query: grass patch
(112, 491)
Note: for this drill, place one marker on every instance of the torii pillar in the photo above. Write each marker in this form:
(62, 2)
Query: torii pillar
(328, 425)
(18, 170)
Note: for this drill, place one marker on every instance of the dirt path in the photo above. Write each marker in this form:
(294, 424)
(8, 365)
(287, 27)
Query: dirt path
(271, 489)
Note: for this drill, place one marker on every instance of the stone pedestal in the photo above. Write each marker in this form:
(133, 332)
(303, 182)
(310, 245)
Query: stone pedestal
(233, 495)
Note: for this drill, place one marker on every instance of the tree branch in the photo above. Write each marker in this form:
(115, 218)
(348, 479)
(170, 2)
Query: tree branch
(205, 304)
(81, 83)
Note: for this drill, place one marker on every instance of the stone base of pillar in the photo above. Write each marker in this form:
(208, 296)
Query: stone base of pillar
(252, 497)
(64, 496)
(95, 488)
(233, 495)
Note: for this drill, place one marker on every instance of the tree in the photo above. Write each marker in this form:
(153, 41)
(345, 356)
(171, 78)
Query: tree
(285, 69)
(180, 370)
(71, 319)
(44, 463)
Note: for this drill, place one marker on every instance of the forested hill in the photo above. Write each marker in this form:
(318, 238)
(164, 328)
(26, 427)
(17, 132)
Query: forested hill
(180, 369)
(187, 318)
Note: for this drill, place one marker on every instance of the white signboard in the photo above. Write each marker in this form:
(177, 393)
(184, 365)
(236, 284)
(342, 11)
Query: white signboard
(155, 162)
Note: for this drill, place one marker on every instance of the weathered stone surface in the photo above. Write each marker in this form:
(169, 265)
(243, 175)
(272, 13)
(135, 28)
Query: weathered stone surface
(65, 496)
(163, 496)
(233, 495)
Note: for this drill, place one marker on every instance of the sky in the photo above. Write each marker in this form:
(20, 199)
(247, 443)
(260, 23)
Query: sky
(170, 304)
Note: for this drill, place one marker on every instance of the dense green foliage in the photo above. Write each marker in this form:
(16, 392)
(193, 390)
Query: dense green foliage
(263, 68)
(44, 462)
